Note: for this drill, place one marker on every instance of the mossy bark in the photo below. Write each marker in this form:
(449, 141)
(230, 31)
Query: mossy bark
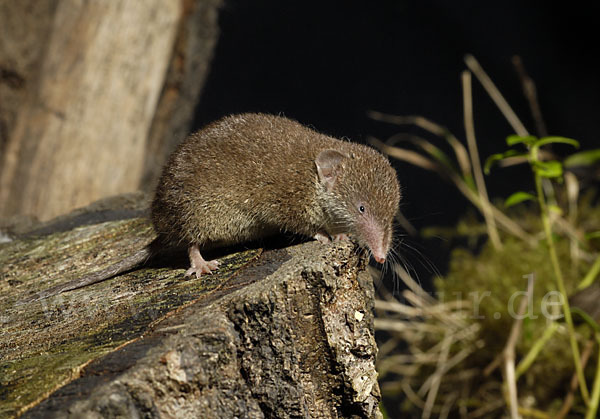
(278, 333)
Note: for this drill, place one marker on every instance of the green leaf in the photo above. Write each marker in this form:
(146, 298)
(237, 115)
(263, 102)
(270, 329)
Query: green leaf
(583, 158)
(548, 169)
(554, 139)
(586, 317)
(517, 139)
(491, 160)
(517, 198)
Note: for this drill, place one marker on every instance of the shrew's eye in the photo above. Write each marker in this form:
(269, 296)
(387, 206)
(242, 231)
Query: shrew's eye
(361, 209)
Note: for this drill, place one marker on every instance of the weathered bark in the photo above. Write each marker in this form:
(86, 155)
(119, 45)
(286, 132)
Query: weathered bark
(278, 333)
(81, 132)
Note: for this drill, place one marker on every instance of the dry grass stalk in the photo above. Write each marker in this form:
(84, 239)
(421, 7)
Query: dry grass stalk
(436, 377)
(530, 92)
(496, 96)
(476, 163)
(509, 354)
(448, 321)
(462, 157)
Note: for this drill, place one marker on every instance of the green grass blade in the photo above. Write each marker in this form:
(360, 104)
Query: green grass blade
(591, 275)
(517, 198)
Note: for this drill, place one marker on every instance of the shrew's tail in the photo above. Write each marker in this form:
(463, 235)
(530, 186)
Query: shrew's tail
(139, 258)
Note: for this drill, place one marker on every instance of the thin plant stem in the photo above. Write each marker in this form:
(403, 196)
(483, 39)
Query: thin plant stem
(593, 406)
(533, 413)
(462, 157)
(503, 220)
(509, 355)
(496, 96)
(535, 350)
(476, 163)
(572, 188)
(511, 383)
(560, 282)
(437, 377)
(530, 92)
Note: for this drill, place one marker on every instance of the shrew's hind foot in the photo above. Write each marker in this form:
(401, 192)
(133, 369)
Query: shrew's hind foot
(199, 266)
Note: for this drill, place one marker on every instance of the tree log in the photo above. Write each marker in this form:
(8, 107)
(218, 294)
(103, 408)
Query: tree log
(82, 130)
(274, 333)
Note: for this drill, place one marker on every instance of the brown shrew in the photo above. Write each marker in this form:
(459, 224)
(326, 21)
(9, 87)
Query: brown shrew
(248, 176)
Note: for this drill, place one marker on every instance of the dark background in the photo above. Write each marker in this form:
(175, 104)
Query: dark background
(327, 63)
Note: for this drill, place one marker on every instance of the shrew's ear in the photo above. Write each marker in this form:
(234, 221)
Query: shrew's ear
(328, 162)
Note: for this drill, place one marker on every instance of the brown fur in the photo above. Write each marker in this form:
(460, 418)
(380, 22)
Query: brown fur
(247, 176)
